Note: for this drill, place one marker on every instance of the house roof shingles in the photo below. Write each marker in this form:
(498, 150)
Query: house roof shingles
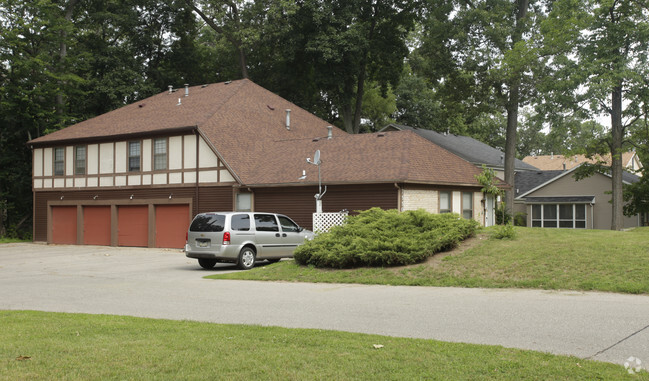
(246, 125)
(556, 162)
(466, 147)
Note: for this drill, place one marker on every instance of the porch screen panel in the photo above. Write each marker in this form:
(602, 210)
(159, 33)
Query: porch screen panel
(550, 216)
(566, 216)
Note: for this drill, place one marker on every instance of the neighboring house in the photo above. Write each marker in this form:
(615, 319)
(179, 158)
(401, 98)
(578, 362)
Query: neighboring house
(136, 176)
(554, 199)
(473, 151)
(470, 149)
(630, 161)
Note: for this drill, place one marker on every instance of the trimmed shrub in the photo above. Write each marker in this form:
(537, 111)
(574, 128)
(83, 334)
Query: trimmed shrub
(377, 237)
(503, 232)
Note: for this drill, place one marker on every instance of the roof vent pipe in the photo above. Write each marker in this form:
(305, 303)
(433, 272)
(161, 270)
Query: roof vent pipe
(329, 132)
(186, 89)
(171, 89)
(288, 118)
(551, 155)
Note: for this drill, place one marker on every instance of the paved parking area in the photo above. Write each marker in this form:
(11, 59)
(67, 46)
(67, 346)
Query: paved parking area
(161, 283)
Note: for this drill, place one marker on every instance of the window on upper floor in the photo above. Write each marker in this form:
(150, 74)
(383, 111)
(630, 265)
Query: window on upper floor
(444, 202)
(134, 156)
(59, 161)
(159, 154)
(80, 160)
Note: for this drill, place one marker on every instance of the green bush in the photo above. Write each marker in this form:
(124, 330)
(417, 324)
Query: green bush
(377, 237)
(502, 217)
(520, 219)
(503, 232)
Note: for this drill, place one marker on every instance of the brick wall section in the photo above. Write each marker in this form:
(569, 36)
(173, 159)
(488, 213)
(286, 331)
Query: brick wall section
(413, 199)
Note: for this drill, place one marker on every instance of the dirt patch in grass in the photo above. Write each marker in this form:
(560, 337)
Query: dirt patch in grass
(435, 260)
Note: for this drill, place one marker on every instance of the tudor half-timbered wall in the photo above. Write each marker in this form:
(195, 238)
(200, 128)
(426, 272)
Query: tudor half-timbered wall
(139, 192)
(110, 165)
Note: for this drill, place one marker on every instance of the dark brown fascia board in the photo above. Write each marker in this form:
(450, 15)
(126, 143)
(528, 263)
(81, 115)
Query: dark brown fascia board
(112, 138)
(300, 184)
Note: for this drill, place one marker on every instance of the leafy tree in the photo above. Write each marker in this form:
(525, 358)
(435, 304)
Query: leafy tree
(494, 57)
(600, 50)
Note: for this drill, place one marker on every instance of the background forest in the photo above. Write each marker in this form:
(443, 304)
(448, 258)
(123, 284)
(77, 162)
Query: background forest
(526, 76)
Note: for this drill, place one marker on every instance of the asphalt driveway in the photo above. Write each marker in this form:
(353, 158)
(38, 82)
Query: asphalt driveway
(160, 283)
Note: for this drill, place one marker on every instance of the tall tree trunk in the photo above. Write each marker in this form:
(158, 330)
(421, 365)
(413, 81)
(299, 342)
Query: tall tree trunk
(617, 137)
(512, 112)
(510, 144)
(63, 53)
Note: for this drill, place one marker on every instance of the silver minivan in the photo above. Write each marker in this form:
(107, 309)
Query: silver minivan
(242, 238)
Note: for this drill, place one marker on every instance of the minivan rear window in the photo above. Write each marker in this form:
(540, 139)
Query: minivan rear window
(208, 223)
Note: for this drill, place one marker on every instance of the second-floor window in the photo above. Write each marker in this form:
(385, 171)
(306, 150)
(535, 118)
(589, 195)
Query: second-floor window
(59, 161)
(134, 154)
(80, 160)
(159, 154)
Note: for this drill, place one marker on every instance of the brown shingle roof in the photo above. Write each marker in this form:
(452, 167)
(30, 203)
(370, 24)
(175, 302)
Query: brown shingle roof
(399, 156)
(245, 124)
(555, 162)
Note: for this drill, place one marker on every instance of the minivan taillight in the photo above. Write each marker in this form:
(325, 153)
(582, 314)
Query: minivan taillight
(226, 238)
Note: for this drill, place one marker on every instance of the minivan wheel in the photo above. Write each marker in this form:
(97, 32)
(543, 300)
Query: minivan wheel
(206, 263)
(246, 259)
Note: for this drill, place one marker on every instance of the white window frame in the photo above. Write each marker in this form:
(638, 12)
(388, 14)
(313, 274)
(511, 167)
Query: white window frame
(558, 219)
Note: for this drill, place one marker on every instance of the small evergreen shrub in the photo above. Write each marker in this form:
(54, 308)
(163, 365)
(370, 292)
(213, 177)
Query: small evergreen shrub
(502, 217)
(503, 232)
(377, 237)
(520, 219)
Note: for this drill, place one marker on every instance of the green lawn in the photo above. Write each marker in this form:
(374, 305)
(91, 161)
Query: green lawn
(537, 258)
(54, 346)
(12, 240)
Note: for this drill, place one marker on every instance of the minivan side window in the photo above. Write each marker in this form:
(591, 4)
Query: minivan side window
(240, 222)
(288, 225)
(266, 223)
(208, 223)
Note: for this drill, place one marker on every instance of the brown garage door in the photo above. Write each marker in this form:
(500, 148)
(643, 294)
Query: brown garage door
(96, 225)
(64, 224)
(133, 226)
(171, 223)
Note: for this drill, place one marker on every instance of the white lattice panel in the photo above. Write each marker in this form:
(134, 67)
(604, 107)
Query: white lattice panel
(322, 222)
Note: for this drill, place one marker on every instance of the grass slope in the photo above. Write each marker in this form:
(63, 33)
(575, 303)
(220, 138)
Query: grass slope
(46, 346)
(566, 259)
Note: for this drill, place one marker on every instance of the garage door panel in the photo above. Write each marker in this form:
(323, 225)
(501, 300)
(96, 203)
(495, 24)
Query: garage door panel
(171, 223)
(96, 225)
(133, 226)
(64, 225)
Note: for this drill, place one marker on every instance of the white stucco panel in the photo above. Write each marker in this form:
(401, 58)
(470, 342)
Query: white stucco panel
(92, 160)
(106, 181)
(120, 181)
(175, 152)
(38, 183)
(69, 160)
(146, 155)
(47, 162)
(47, 183)
(59, 183)
(206, 157)
(160, 178)
(106, 158)
(208, 177)
(175, 178)
(38, 162)
(93, 181)
(134, 180)
(80, 183)
(120, 157)
(189, 153)
(226, 176)
(189, 177)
